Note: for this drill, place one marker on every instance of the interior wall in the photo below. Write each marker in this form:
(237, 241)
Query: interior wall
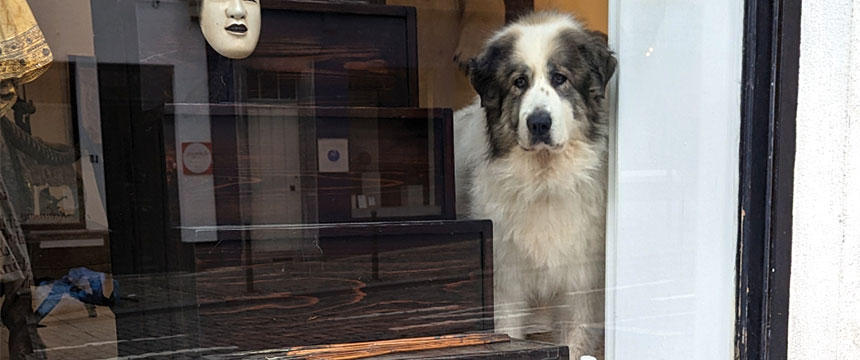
(68, 32)
(595, 13)
(444, 31)
(458, 28)
(52, 120)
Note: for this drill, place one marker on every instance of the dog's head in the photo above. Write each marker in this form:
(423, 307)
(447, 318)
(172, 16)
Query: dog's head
(542, 82)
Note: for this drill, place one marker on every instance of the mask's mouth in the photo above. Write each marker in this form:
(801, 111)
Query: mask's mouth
(238, 29)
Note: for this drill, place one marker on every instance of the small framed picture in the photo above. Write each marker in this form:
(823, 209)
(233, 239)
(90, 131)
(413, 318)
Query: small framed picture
(333, 155)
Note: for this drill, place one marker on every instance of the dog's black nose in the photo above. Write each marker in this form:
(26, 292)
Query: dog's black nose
(539, 123)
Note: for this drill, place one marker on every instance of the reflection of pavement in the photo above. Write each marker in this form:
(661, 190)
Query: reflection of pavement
(428, 290)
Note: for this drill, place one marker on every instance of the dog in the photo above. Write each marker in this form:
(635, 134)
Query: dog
(531, 155)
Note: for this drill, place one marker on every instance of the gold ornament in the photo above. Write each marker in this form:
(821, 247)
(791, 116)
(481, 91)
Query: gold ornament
(24, 53)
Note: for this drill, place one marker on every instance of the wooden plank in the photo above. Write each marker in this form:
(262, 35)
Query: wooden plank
(514, 349)
(362, 350)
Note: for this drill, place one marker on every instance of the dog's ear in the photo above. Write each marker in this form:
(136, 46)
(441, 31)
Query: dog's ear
(601, 62)
(481, 75)
(482, 71)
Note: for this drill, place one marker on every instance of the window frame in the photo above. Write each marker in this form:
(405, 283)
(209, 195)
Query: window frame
(767, 149)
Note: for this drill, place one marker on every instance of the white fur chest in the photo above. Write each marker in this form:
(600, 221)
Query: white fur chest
(548, 221)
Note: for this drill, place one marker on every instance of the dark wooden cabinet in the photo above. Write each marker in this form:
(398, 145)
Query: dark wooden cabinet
(54, 252)
(273, 165)
(351, 282)
(326, 54)
(327, 283)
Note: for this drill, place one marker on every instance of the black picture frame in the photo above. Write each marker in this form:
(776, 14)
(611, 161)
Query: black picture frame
(767, 148)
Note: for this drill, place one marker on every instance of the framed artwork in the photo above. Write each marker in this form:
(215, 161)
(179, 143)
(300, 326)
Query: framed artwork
(48, 161)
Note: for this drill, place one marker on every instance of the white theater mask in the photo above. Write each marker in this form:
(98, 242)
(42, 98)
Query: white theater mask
(231, 27)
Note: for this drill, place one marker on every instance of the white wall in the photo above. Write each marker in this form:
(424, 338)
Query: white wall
(824, 308)
(68, 32)
(673, 203)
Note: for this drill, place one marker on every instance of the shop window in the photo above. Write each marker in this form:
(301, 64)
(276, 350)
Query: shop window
(183, 189)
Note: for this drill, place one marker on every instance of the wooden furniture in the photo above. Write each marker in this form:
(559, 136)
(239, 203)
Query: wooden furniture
(335, 283)
(54, 252)
(329, 54)
(496, 350)
(269, 163)
(361, 350)
(515, 349)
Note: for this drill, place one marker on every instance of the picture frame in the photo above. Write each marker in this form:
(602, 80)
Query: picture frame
(55, 198)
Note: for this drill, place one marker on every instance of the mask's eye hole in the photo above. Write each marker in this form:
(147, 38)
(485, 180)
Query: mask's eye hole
(521, 82)
(558, 79)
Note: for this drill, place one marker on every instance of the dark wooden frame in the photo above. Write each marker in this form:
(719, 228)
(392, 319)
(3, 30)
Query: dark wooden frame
(408, 13)
(767, 149)
(443, 144)
(221, 90)
(225, 142)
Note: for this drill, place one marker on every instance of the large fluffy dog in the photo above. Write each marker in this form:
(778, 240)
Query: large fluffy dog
(531, 156)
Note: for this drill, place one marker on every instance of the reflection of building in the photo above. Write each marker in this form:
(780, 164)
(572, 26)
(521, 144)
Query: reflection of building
(182, 232)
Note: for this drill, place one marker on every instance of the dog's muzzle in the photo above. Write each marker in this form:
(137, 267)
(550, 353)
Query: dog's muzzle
(539, 123)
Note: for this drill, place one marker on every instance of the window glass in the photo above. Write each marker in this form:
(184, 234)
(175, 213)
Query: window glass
(672, 237)
(260, 178)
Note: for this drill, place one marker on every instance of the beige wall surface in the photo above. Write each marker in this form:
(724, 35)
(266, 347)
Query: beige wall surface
(52, 121)
(824, 321)
(441, 23)
(595, 13)
(459, 27)
(67, 25)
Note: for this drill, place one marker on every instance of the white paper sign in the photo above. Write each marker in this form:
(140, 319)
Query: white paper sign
(333, 155)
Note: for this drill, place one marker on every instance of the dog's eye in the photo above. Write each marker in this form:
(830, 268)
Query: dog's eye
(558, 79)
(521, 82)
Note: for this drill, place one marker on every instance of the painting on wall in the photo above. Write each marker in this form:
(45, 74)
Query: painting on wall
(44, 152)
